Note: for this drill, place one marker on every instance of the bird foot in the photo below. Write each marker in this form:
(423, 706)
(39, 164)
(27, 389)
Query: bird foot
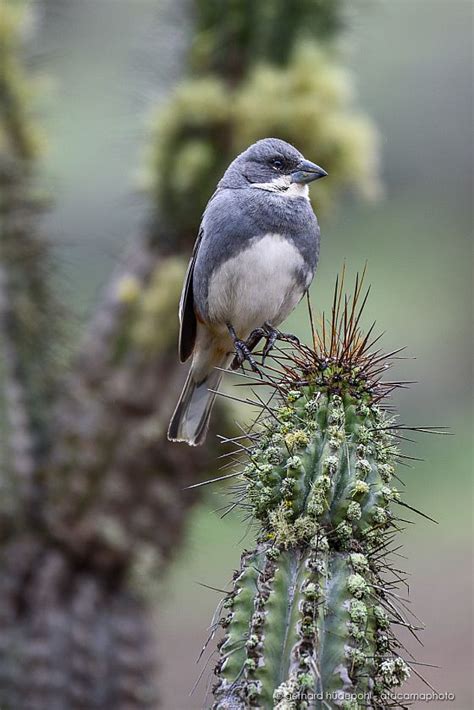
(244, 348)
(272, 335)
(243, 352)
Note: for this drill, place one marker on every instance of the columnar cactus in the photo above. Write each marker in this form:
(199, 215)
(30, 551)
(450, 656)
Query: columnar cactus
(308, 623)
(28, 310)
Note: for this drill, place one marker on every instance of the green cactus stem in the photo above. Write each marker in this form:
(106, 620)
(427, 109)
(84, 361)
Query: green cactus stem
(309, 621)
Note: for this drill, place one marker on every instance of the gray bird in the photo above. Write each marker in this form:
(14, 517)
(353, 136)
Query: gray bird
(254, 259)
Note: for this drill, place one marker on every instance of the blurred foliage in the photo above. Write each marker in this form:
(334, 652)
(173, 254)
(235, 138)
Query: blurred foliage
(218, 111)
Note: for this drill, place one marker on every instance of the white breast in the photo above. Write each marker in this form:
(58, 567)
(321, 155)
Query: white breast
(257, 285)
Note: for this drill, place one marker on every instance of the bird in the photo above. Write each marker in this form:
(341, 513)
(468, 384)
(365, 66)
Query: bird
(254, 259)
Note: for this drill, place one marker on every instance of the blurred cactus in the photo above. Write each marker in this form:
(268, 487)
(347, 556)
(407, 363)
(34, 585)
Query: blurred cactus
(19, 140)
(295, 89)
(115, 485)
(70, 638)
(28, 312)
(309, 621)
(92, 502)
(86, 513)
(233, 36)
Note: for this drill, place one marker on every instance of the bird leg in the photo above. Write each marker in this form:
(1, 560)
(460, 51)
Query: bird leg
(272, 335)
(268, 332)
(242, 351)
(255, 337)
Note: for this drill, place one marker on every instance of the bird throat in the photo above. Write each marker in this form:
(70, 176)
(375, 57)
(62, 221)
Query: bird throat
(284, 186)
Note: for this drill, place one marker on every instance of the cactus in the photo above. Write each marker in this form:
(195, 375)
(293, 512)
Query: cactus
(80, 640)
(266, 30)
(309, 621)
(29, 312)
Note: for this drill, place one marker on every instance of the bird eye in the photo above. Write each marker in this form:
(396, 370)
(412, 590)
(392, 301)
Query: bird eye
(276, 163)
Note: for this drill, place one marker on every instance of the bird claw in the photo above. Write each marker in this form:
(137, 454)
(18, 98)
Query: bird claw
(242, 351)
(271, 338)
(289, 338)
(272, 335)
(242, 354)
(243, 348)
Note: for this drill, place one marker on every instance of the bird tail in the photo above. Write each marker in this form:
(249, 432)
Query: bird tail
(190, 420)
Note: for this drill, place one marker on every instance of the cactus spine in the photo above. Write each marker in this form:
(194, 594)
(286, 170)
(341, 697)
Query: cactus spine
(309, 619)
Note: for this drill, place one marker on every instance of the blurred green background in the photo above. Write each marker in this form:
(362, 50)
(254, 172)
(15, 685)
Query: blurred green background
(109, 62)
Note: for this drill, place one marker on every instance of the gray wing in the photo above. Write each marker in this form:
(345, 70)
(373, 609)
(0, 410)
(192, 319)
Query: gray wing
(187, 316)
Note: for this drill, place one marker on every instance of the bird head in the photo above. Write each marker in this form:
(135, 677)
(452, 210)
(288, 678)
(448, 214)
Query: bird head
(271, 164)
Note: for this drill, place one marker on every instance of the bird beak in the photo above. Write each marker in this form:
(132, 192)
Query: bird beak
(307, 172)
